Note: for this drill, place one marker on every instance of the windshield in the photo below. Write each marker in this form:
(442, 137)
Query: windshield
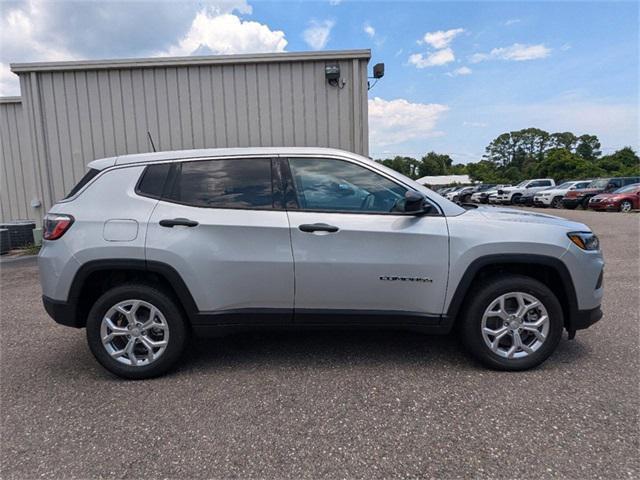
(522, 184)
(564, 185)
(599, 183)
(628, 188)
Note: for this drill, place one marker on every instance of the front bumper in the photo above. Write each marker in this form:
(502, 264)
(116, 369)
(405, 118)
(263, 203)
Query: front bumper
(544, 201)
(62, 312)
(582, 319)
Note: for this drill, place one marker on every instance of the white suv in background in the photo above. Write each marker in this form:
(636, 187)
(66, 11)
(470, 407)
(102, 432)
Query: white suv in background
(507, 195)
(553, 198)
(148, 249)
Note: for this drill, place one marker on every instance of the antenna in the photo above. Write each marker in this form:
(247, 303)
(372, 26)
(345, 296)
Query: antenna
(151, 140)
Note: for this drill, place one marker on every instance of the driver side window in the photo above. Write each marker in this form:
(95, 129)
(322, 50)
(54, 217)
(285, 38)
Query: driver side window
(339, 186)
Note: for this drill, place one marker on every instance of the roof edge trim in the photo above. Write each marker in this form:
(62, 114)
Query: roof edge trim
(191, 61)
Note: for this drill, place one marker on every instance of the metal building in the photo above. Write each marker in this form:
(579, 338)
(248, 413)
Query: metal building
(74, 112)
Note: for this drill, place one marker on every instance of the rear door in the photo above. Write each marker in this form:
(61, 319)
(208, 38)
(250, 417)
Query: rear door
(222, 226)
(357, 257)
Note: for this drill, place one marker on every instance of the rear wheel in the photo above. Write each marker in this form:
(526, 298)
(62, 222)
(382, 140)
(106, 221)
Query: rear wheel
(512, 323)
(626, 206)
(136, 331)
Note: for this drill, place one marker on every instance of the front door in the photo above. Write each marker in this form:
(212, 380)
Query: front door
(355, 254)
(219, 225)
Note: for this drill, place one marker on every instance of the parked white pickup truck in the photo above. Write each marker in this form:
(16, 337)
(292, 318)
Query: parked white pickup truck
(507, 195)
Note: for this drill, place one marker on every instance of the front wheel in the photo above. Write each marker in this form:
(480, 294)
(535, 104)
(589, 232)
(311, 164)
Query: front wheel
(556, 202)
(626, 206)
(136, 331)
(512, 323)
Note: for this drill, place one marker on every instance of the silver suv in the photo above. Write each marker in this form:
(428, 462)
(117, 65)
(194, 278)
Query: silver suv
(150, 248)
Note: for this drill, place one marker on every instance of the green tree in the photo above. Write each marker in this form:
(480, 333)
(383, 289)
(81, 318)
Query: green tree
(588, 147)
(561, 164)
(623, 162)
(406, 165)
(434, 164)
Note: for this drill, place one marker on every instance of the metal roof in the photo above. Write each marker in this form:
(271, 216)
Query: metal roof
(191, 61)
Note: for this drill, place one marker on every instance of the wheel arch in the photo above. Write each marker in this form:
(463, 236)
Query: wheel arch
(549, 270)
(95, 277)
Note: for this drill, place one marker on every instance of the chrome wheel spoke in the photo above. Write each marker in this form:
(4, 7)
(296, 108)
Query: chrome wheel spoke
(499, 323)
(149, 337)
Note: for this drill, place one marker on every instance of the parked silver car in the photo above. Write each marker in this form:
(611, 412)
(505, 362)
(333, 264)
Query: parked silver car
(150, 248)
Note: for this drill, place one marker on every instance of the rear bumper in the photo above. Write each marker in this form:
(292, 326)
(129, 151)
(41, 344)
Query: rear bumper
(62, 312)
(582, 319)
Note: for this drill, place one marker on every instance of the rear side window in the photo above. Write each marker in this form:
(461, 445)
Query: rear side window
(153, 180)
(239, 183)
(83, 181)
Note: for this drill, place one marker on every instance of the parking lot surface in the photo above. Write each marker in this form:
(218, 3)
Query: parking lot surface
(327, 404)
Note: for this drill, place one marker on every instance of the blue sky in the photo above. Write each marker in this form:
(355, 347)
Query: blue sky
(457, 73)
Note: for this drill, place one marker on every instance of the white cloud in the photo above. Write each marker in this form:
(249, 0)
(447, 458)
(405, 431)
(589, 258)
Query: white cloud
(517, 52)
(318, 33)
(369, 30)
(460, 71)
(441, 38)
(396, 121)
(226, 34)
(437, 58)
(565, 47)
(333, 3)
(512, 21)
(9, 84)
(474, 124)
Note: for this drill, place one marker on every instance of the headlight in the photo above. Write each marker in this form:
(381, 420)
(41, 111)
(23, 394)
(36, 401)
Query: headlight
(585, 240)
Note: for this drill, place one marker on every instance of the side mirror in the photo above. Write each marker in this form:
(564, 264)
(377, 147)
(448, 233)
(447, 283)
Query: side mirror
(413, 202)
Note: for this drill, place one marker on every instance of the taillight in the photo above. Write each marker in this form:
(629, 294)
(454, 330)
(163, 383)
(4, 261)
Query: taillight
(55, 225)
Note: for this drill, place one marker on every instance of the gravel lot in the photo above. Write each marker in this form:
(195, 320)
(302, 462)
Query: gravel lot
(330, 404)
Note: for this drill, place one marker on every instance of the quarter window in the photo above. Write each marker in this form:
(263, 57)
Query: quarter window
(340, 186)
(237, 183)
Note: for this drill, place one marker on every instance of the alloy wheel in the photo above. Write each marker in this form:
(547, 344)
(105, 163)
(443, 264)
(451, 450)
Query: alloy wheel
(134, 332)
(515, 325)
(626, 206)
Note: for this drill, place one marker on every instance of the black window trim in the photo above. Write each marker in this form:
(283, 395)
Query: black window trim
(296, 208)
(276, 186)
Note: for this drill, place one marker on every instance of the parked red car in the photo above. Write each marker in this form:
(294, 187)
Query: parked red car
(624, 199)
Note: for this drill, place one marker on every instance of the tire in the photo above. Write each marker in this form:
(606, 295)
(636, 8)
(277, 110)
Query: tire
(169, 333)
(585, 203)
(476, 342)
(556, 202)
(515, 198)
(626, 206)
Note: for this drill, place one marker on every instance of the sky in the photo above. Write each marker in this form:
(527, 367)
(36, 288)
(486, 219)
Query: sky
(457, 74)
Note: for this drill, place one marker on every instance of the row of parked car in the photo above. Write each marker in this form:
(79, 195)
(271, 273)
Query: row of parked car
(612, 194)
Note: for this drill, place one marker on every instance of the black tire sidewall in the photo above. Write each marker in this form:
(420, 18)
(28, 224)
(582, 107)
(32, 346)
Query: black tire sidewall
(178, 332)
(556, 202)
(494, 287)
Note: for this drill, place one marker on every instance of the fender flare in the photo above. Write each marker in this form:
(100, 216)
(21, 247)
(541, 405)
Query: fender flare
(162, 269)
(514, 259)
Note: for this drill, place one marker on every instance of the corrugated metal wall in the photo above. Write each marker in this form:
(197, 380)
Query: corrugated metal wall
(77, 112)
(17, 188)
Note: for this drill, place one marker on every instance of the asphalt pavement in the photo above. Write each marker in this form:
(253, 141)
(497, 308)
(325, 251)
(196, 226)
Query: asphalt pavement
(328, 404)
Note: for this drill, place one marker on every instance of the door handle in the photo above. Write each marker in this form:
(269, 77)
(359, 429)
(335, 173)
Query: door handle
(318, 227)
(182, 222)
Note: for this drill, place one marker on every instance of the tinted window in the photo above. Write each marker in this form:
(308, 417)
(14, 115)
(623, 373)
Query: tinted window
(153, 179)
(240, 183)
(336, 185)
(630, 180)
(83, 181)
